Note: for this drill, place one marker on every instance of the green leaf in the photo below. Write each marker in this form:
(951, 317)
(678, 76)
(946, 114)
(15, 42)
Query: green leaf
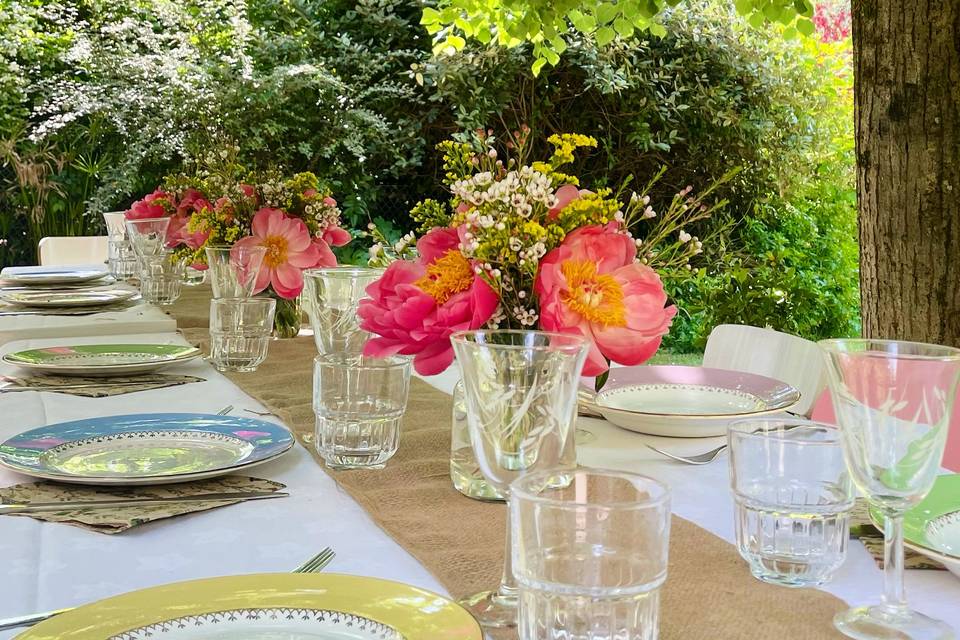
(623, 26)
(756, 20)
(430, 16)
(606, 12)
(584, 23)
(805, 27)
(537, 66)
(604, 36)
(744, 7)
(658, 29)
(790, 33)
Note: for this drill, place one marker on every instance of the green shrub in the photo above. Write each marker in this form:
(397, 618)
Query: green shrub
(710, 95)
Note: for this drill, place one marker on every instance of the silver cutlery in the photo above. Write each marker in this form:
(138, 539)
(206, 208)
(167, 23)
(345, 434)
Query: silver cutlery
(700, 458)
(260, 413)
(315, 564)
(227, 409)
(70, 387)
(46, 507)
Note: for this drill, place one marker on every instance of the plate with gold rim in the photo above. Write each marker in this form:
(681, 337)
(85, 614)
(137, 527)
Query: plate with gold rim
(274, 606)
(144, 449)
(687, 402)
(102, 359)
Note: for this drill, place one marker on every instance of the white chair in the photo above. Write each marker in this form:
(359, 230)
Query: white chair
(59, 250)
(770, 353)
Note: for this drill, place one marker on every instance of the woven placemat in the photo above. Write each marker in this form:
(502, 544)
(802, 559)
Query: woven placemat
(709, 591)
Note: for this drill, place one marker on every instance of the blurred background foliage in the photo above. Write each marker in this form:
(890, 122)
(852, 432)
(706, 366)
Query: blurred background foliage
(99, 99)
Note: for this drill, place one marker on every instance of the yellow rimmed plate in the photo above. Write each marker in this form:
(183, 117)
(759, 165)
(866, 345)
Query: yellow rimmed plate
(272, 605)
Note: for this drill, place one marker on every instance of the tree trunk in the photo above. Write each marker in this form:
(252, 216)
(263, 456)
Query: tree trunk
(907, 94)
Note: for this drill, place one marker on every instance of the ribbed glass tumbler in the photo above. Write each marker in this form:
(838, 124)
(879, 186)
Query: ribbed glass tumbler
(589, 554)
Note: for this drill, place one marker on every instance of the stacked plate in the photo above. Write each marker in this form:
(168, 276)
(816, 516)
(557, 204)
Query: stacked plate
(685, 402)
(101, 360)
(61, 288)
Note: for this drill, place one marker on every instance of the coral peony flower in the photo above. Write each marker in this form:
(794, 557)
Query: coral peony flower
(290, 250)
(177, 233)
(592, 285)
(158, 204)
(415, 306)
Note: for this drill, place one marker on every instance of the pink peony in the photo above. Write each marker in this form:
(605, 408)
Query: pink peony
(565, 195)
(290, 250)
(191, 201)
(158, 204)
(177, 233)
(415, 306)
(591, 285)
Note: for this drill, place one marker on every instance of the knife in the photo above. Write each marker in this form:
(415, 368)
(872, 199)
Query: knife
(41, 507)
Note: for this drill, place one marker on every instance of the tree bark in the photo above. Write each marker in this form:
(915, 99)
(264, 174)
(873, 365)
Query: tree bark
(907, 85)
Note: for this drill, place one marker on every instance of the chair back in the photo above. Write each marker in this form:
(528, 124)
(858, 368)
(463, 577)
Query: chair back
(770, 353)
(61, 250)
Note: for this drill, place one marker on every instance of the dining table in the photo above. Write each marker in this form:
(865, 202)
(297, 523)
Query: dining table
(51, 565)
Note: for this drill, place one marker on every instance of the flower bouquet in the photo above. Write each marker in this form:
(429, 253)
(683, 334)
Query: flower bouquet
(524, 246)
(295, 219)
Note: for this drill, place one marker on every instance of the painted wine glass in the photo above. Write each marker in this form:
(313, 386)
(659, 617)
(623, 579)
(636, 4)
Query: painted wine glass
(520, 389)
(893, 402)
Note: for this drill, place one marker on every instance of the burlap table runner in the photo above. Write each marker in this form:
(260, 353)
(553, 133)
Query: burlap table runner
(709, 593)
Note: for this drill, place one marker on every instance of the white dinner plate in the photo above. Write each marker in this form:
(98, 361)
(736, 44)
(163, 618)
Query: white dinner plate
(68, 299)
(102, 359)
(50, 275)
(687, 402)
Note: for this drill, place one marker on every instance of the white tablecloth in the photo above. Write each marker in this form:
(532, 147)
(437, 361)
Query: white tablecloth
(48, 566)
(144, 318)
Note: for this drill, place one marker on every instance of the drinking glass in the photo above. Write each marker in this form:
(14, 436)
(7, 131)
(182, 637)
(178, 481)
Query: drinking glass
(359, 403)
(332, 296)
(792, 496)
(893, 402)
(240, 332)
(233, 270)
(120, 256)
(161, 278)
(520, 391)
(589, 554)
(148, 236)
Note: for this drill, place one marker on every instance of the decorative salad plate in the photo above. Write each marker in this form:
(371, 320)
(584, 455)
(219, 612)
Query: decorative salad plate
(933, 526)
(73, 298)
(270, 606)
(150, 448)
(50, 275)
(102, 359)
(687, 402)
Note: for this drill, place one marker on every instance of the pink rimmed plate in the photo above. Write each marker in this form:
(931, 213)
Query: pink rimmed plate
(688, 402)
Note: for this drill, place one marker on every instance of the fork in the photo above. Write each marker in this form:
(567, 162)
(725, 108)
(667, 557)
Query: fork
(227, 409)
(700, 458)
(316, 564)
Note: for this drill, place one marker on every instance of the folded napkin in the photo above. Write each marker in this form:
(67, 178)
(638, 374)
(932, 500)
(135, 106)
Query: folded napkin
(862, 527)
(119, 519)
(101, 387)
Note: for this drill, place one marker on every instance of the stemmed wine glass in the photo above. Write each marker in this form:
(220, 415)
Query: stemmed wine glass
(520, 389)
(893, 402)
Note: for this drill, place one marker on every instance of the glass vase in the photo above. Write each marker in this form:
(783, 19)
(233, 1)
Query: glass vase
(464, 469)
(288, 317)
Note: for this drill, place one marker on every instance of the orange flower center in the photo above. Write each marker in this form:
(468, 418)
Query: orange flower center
(598, 298)
(447, 277)
(276, 251)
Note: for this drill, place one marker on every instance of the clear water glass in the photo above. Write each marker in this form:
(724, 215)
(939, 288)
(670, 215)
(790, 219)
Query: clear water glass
(359, 404)
(161, 278)
(792, 498)
(233, 271)
(520, 389)
(589, 554)
(148, 236)
(893, 401)
(121, 259)
(331, 296)
(240, 331)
